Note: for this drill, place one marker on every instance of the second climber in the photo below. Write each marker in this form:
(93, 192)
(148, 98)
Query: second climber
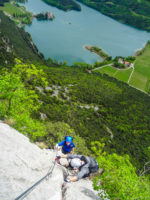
(67, 145)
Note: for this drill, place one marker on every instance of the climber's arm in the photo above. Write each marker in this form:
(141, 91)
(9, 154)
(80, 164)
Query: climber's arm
(81, 174)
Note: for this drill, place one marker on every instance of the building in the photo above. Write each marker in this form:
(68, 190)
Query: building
(121, 61)
(127, 64)
(50, 15)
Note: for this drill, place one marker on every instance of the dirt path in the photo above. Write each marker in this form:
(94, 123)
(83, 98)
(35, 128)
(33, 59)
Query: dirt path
(102, 66)
(131, 74)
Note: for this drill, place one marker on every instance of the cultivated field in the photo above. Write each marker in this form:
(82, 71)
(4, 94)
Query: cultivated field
(141, 75)
(121, 74)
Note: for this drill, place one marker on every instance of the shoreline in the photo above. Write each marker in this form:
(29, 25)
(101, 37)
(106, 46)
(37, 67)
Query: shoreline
(140, 50)
(97, 51)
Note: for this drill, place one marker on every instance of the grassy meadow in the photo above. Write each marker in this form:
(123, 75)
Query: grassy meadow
(107, 70)
(122, 75)
(141, 75)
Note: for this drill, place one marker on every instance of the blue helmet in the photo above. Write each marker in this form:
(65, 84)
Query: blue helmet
(69, 139)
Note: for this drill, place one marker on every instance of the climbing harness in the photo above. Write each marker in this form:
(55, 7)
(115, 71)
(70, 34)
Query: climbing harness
(30, 189)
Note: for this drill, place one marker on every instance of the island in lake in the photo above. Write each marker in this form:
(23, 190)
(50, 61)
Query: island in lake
(98, 51)
(45, 16)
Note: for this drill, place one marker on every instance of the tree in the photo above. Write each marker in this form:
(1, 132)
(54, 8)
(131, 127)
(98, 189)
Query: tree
(119, 180)
(19, 102)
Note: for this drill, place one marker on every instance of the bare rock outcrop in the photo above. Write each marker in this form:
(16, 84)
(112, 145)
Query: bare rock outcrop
(23, 163)
(81, 190)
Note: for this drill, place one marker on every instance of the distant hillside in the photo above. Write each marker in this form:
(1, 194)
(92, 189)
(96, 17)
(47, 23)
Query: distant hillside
(64, 4)
(19, 41)
(132, 12)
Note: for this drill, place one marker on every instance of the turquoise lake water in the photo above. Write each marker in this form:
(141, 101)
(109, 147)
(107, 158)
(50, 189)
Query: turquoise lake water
(64, 38)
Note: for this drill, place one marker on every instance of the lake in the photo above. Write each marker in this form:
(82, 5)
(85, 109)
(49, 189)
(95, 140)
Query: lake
(64, 38)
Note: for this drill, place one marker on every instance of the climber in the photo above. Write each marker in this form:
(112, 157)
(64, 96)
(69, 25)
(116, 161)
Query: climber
(84, 166)
(67, 145)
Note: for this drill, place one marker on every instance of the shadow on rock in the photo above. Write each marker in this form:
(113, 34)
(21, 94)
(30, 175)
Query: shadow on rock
(90, 194)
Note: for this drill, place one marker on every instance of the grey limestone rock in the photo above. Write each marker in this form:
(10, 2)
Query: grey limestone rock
(81, 190)
(23, 163)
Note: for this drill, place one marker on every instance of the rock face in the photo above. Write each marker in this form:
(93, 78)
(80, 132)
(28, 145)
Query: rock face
(23, 163)
(81, 190)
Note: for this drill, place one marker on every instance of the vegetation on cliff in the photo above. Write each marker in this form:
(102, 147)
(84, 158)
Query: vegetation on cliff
(120, 180)
(93, 108)
(98, 108)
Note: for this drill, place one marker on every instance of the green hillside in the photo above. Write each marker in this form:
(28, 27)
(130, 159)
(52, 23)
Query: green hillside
(106, 117)
(132, 12)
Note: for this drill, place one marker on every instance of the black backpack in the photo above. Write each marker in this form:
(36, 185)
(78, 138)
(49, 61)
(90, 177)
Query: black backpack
(93, 165)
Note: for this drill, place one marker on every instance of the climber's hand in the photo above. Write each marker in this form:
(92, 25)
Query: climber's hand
(56, 147)
(58, 157)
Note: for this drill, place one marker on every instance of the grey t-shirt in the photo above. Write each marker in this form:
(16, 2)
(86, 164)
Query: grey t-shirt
(83, 170)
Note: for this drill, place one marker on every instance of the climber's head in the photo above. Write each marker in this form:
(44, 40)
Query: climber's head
(83, 160)
(76, 163)
(68, 140)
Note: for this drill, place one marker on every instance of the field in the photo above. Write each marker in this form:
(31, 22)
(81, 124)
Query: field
(122, 75)
(107, 70)
(141, 75)
(140, 78)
